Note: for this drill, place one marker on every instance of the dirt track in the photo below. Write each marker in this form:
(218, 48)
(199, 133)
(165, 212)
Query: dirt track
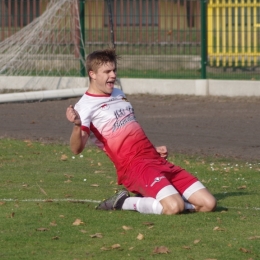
(217, 126)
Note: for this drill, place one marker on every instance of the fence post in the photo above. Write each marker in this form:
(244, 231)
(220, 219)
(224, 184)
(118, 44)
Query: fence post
(82, 35)
(203, 10)
(111, 24)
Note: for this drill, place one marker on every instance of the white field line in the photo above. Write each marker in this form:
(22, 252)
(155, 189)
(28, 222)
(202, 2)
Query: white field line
(253, 208)
(97, 201)
(53, 200)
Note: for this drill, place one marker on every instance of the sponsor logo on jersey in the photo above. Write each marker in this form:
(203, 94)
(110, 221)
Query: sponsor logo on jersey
(104, 107)
(157, 179)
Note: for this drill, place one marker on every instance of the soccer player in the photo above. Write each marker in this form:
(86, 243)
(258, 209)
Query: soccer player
(104, 114)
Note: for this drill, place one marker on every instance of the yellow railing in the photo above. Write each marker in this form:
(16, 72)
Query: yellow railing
(233, 32)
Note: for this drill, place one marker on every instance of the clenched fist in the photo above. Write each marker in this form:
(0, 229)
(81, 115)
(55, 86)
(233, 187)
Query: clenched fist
(73, 116)
(162, 150)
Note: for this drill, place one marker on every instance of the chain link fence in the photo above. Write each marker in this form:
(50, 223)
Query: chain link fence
(161, 38)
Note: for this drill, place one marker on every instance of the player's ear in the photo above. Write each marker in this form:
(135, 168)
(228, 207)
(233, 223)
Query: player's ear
(92, 74)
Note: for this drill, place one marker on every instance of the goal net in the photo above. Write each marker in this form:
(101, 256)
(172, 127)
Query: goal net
(47, 54)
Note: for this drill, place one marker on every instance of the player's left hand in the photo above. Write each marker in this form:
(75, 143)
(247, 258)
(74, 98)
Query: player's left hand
(162, 150)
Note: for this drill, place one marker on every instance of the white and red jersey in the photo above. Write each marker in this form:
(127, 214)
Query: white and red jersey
(112, 121)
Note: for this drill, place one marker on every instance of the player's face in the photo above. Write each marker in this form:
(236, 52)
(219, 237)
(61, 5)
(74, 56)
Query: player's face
(104, 79)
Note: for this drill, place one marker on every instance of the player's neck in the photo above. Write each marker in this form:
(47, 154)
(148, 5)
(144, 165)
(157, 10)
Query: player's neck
(94, 90)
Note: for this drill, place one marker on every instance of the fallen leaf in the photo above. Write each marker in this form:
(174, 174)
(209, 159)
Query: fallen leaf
(98, 235)
(83, 231)
(126, 227)
(186, 247)
(94, 185)
(196, 241)
(27, 141)
(48, 200)
(61, 216)
(225, 187)
(105, 248)
(42, 190)
(77, 222)
(244, 250)
(42, 229)
(115, 246)
(218, 229)
(64, 157)
(67, 181)
(53, 224)
(241, 187)
(161, 250)
(254, 237)
(2, 203)
(68, 176)
(148, 223)
(55, 238)
(140, 236)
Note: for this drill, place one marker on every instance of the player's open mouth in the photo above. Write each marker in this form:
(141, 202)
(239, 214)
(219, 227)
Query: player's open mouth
(111, 83)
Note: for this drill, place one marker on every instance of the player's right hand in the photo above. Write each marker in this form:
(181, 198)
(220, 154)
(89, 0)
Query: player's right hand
(73, 116)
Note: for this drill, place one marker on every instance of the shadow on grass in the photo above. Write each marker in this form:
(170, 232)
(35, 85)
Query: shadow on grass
(224, 195)
(220, 196)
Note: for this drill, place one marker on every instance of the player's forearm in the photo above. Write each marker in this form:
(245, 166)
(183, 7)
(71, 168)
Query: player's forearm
(76, 141)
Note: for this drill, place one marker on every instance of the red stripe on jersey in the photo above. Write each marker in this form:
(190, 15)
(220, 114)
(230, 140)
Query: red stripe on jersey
(85, 129)
(95, 95)
(97, 134)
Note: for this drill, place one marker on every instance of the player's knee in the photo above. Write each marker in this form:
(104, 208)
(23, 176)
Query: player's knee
(175, 207)
(210, 204)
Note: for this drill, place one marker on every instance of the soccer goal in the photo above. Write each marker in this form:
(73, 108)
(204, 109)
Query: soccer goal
(45, 56)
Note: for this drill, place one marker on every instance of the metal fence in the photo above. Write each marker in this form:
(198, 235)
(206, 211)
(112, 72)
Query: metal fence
(234, 33)
(163, 38)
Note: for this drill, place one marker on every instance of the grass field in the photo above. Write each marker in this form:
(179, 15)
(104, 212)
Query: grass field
(48, 198)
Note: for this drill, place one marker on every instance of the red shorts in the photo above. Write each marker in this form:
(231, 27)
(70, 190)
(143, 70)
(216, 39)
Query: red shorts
(147, 177)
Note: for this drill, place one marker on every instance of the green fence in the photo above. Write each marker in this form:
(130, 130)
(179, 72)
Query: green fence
(155, 38)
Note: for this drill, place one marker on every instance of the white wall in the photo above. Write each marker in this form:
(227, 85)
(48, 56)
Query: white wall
(64, 87)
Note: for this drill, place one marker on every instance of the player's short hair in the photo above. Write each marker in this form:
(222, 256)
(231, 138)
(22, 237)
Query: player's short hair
(97, 58)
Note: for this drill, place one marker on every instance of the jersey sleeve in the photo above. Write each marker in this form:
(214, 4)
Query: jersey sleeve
(85, 116)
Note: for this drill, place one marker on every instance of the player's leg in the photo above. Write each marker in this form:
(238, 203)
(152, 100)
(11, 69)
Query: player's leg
(121, 200)
(200, 197)
(144, 205)
(170, 199)
(167, 200)
(194, 193)
(159, 195)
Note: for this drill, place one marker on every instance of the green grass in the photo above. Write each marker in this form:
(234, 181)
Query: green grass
(38, 180)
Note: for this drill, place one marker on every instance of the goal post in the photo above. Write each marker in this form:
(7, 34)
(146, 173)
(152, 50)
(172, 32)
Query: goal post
(48, 53)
